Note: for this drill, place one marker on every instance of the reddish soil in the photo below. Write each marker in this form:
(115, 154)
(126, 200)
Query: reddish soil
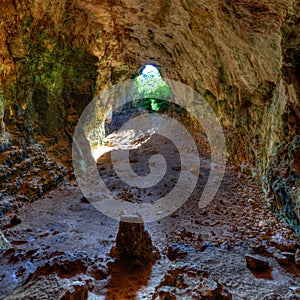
(236, 222)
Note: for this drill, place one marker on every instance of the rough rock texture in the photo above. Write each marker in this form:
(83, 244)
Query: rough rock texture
(76, 290)
(47, 73)
(4, 243)
(243, 56)
(133, 242)
(185, 282)
(52, 275)
(282, 183)
(47, 245)
(26, 174)
(256, 263)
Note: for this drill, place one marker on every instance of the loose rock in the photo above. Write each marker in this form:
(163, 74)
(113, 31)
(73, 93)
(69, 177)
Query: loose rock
(186, 282)
(76, 291)
(297, 258)
(281, 258)
(133, 241)
(4, 243)
(256, 263)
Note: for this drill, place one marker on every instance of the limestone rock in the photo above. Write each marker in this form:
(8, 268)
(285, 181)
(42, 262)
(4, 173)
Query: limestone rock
(75, 291)
(189, 282)
(256, 263)
(26, 174)
(133, 241)
(98, 271)
(289, 255)
(36, 290)
(281, 258)
(241, 56)
(51, 287)
(297, 258)
(64, 265)
(4, 243)
(283, 244)
(178, 251)
(56, 275)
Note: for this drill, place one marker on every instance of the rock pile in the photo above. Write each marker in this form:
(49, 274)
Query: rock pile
(58, 275)
(26, 174)
(186, 282)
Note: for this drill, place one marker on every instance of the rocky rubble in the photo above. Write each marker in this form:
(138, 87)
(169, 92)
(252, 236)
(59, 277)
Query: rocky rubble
(59, 275)
(185, 282)
(281, 183)
(257, 264)
(213, 243)
(26, 174)
(66, 276)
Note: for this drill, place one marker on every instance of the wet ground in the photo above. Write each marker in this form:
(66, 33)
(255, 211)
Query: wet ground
(62, 243)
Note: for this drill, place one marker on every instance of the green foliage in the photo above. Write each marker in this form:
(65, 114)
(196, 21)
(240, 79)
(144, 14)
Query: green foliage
(54, 67)
(153, 90)
(2, 109)
(55, 73)
(2, 104)
(28, 22)
(291, 43)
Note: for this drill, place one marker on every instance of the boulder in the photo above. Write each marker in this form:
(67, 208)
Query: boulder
(256, 263)
(133, 241)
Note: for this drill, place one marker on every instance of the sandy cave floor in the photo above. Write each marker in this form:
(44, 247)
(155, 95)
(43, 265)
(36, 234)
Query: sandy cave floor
(215, 239)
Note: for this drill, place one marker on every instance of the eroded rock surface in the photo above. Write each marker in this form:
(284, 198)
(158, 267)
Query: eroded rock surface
(55, 275)
(133, 241)
(55, 252)
(186, 282)
(4, 243)
(25, 175)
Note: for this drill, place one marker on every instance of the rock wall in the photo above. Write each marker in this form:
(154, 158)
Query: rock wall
(241, 55)
(47, 73)
(25, 175)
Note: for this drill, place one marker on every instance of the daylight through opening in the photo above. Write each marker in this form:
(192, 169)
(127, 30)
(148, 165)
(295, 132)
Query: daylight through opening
(152, 90)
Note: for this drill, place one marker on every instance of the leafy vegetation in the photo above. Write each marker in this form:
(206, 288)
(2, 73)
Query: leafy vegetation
(153, 91)
(2, 107)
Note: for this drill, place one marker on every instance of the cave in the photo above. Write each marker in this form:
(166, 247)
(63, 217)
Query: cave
(150, 149)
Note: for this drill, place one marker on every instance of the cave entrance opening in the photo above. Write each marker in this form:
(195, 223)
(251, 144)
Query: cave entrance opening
(152, 91)
(151, 94)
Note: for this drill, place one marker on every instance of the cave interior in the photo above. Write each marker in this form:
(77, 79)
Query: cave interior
(150, 149)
